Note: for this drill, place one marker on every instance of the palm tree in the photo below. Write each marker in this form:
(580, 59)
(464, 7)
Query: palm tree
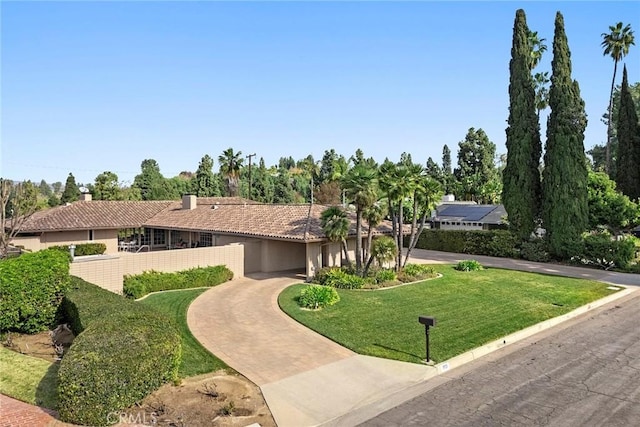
(541, 87)
(360, 185)
(537, 48)
(616, 44)
(383, 250)
(426, 194)
(335, 224)
(374, 215)
(230, 164)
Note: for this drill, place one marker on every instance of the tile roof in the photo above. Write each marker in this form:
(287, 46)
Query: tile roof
(222, 215)
(99, 214)
(289, 222)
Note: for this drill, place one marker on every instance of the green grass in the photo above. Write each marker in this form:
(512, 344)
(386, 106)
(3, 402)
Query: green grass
(196, 359)
(471, 309)
(28, 379)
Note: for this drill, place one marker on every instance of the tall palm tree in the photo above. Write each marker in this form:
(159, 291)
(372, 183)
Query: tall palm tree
(335, 224)
(541, 88)
(361, 186)
(230, 164)
(373, 215)
(537, 48)
(616, 44)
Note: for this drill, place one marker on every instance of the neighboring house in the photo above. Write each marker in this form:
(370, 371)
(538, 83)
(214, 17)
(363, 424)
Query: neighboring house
(275, 237)
(465, 216)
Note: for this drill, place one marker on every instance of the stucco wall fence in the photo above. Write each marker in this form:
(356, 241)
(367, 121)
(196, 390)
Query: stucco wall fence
(108, 271)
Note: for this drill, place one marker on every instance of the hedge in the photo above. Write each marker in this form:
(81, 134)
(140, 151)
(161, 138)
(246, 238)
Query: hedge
(137, 286)
(499, 243)
(31, 288)
(602, 251)
(83, 249)
(123, 352)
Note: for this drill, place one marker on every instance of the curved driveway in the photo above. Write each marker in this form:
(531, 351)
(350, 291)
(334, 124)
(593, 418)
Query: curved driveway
(306, 378)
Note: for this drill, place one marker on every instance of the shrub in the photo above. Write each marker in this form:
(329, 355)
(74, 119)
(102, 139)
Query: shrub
(602, 251)
(31, 288)
(125, 351)
(318, 296)
(385, 275)
(83, 249)
(139, 285)
(468, 265)
(535, 249)
(337, 277)
(499, 243)
(414, 272)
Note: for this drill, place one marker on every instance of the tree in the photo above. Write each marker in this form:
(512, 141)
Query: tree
(18, 201)
(521, 175)
(373, 215)
(230, 165)
(71, 191)
(336, 224)
(476, 164)
(205, 184)
(45, 189)
(608, 208)
(360, 184)
(106, 187)
(448, 179)
(536, 45)
(564, 183)
(151, 183)
(628, 133)
(383, 250)
(616, 44)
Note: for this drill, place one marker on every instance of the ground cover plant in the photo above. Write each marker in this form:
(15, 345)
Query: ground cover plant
(195, 358)
(471, 308)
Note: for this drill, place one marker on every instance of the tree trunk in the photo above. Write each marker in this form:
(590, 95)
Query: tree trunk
(358, 241)
(400, 235)
(414, 238)
(346, 251)
(607, 165)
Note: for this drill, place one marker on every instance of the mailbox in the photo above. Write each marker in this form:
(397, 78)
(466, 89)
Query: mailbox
(427, 320)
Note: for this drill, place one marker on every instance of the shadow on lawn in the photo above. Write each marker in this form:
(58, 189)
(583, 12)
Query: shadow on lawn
(47, 389)
(418, 357)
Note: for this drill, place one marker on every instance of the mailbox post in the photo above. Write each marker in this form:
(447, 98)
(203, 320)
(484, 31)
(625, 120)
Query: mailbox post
(427, 321)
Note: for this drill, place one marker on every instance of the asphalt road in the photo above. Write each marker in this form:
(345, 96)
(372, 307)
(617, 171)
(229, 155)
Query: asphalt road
(585, 372)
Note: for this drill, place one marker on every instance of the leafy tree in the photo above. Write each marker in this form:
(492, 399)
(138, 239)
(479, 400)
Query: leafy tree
(521, 176)
(45, 189)
(383, 250)
(151, 184)
(206, 184)
(57, 187)
(476, 165)
(332, 167)
(53, 201)
(361, 186)
(564, 183)
(286, 163)
(598, 151)
(230, 165)
(328, 193)
(106, 187)
(336, 224)
(283, 190)
(608, 208)
(18, 201)
(616, 44)
(263, 185)
(71, 191)
(448, 179)
(433, 170)
(628, 132)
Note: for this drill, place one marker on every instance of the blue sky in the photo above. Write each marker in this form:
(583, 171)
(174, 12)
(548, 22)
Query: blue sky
(89, 87)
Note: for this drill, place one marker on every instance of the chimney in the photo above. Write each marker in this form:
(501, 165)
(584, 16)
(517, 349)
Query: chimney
(85, 197)
(189, 202)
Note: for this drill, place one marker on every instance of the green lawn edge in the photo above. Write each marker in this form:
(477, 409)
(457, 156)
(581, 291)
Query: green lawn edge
(30, 379)
(471, 309)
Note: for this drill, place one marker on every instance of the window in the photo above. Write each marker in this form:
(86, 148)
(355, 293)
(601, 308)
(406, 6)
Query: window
(206, 239)
(159, 237)
(176, 237)
(145, 236)
(90, 235)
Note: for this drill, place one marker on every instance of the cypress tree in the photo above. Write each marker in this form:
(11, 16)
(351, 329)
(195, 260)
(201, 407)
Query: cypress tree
(628, 132)
(71, 191)
(565, 175)
(521, 176)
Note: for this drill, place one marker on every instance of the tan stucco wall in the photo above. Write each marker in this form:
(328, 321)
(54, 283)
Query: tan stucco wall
(314, 258)
(279, 255)
(30, 243)
(56, 238)
(108, 273)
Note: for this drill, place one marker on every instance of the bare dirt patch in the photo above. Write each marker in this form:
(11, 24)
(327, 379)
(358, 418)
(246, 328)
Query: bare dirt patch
(39, 345)
(216, 399)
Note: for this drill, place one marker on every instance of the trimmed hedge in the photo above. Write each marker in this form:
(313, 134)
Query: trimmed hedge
(139, 285)
(83, 249)
(123, 352)
(603, 251)
(499, 243)
(31, 288)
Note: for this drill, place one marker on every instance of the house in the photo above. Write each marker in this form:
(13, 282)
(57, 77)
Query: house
(468, 216)
(272, 237)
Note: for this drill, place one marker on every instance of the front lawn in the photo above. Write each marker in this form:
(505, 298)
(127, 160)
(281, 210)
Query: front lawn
(471, 309)
(195, 358)
(28, 379)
